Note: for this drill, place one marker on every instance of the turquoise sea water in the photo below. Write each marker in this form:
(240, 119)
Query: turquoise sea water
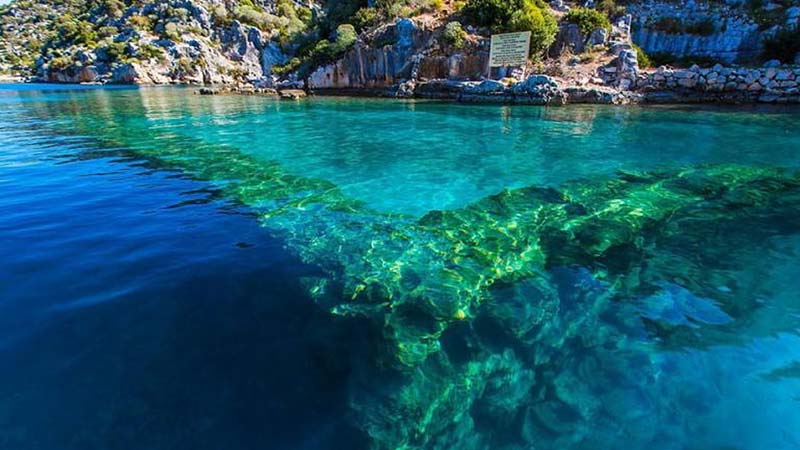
(237, 272)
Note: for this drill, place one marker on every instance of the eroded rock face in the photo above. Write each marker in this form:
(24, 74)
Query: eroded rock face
(405, 57)
(598, 37)
(374, 66)
(569, 39)
(244, 44)
(271, 55)
(732, 36)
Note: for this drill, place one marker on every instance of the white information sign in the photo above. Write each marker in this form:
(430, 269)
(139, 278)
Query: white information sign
(509, 49)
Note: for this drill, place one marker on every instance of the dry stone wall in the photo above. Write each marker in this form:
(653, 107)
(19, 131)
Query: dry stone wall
(723, 84)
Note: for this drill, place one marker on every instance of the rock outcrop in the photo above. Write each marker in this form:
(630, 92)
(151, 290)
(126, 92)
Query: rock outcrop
(148, 42)
(399, 52)
(696, 29)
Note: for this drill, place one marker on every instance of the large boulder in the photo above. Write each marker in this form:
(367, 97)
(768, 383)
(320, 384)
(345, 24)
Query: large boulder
(598, 37)
(539, 89)
(484, 87)
(534, 84)
(124, 74)
(568, 40)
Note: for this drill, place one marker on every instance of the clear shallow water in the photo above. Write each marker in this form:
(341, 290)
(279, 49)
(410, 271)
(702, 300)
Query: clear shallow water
(169, 262)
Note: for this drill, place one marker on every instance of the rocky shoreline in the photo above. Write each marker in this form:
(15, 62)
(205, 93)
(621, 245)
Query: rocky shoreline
(716, 85)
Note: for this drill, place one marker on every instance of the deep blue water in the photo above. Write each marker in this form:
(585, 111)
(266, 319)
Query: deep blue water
(144, 307)
(140, 310)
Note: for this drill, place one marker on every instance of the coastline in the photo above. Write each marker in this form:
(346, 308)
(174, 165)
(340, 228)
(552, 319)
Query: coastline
(536, 90)
(545, 91)
(11, 79)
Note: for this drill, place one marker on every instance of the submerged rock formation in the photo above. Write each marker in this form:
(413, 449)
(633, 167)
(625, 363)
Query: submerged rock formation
(477, 312)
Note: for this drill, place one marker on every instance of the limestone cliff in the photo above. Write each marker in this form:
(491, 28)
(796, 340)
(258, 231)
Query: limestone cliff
(732, 32)
(399, 52)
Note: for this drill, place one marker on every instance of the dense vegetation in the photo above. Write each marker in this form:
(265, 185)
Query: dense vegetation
(642, 57)
(516, 15)
(588, 19)
(454, 34)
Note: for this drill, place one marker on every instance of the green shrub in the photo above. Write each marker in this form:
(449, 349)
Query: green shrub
(171, 31)
(345, 38)
(116, 51)
(494, 14)
(113, 8)
(784, 46)
(220, 16)
(290, 66)
(588, 19)
(256, 17)
(297, 19)
(182, 14)
(325, 51)
(107, 31)
(70, 30)
(186, 65)
(365, 18)
(59, 63)
(339, 12)
(148, 51)
(516, 15)
(454, 35)
(641, 56)
(610, 8)
(141, 23)
(539, 22)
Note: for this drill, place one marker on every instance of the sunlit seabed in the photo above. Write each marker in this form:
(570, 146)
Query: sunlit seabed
(452, 276)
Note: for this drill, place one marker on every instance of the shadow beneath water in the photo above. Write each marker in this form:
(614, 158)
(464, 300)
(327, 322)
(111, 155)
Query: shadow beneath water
(233, 360)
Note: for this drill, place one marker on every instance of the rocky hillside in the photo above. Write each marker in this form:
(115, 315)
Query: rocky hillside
(376, 43)
(198, 41)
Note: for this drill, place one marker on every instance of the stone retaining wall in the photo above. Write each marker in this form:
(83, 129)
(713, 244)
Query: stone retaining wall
(722, 84)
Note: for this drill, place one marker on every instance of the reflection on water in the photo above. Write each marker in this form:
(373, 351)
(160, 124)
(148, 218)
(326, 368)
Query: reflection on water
(632, 284)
